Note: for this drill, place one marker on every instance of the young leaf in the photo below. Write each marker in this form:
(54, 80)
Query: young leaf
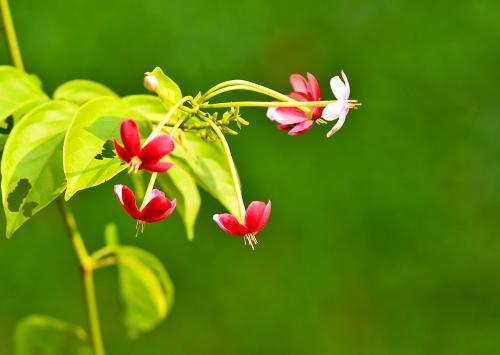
(81, 91)
(40, 335)
(148, 106)
(18, 90)
(32, 170)
(167, 89)
(145, 288)
(89, 157)
(179, 184)
(210, 168)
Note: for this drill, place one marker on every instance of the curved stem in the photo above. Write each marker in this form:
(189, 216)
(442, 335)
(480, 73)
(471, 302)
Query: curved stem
(232, 167)
(87, 265)
(10, 33)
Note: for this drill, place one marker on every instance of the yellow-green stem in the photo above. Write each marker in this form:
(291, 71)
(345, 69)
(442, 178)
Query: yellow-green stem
(232, 167)
(268, 104)
(87, 266)
(10, 33)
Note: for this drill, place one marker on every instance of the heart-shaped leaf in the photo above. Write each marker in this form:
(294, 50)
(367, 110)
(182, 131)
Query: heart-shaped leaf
(81, 91)
(31, 167)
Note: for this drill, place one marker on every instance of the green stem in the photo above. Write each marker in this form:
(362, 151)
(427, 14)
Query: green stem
(87, 266)
(268, 104)
(232, 167)
(10, 33)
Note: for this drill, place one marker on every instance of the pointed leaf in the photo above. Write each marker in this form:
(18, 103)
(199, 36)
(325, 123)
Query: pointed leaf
(89, 156)
(179, 184)
(81, 91)
(40, 335)
(32, 170)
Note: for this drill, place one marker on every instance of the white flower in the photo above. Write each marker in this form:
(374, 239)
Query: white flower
(339, 108)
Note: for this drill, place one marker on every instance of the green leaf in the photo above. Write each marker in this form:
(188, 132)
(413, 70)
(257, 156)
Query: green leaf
(148, 106)
(18, 89)
(210, 168)
(81, 91)
(145, 288)
(179, 184)
(89, 157)
(167, 89)
(32, 170)
(40, 335)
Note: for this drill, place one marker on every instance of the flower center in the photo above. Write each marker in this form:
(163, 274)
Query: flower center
(135, 165)
(251, 240)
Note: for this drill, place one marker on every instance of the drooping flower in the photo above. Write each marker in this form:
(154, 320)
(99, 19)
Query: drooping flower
(293, 119)
(157, 208)
(339, 108)
(148, 157)
(256, 217)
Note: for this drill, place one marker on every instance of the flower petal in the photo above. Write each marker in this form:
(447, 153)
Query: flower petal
(338, 125)
(315, 91)
(284, 127)
(131, 140)
(346, 82)
(299, 83)
(298, 96)
(156, 149)
(286, 115)
(333, 110)
(257, 215)
(122, 152)
(300, 128)
(126, 199)
(229, 224)
(339, 89)
(156, 167)
(157, 207)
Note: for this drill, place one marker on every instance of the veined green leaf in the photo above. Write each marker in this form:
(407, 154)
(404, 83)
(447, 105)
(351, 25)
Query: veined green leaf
(179, 184)
(40, 335)
(145, 287)
(81, 91)
(88, 155)
(210, 168)
(18, 89)
(32, 170)
(148, 106)
(166, 89)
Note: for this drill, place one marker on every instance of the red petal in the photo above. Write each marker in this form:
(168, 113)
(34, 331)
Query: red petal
(122, 152)
(257, 216)
(286, 115)
(229, 224)
(299, 83)
(130, 137)
(284, 127)
(315, 91)
(126, 199)
(300, 128)
(156, 149)
(158, 167)
(158, 207)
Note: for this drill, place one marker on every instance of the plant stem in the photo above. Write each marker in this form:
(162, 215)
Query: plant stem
(268, 104)
(10, 33)
(232, 167)
(86, 264)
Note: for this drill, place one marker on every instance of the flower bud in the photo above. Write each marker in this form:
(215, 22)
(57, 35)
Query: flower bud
(150, 82)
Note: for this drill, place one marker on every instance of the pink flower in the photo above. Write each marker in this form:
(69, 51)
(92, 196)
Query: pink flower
(340, 108)
(256, 217)
(157, 208)
(293, 119)
(147, 157)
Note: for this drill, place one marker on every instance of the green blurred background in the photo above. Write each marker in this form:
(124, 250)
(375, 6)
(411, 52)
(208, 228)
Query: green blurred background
(383, 240)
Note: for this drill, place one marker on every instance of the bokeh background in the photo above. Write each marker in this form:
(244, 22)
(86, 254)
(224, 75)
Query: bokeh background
(383, 240)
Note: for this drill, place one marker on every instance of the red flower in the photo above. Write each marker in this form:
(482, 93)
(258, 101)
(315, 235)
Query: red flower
(293, 119)
(147, 157)
(256, 217)
(158, 207)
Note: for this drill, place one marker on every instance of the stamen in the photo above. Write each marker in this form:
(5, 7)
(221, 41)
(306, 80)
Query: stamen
(251, 240)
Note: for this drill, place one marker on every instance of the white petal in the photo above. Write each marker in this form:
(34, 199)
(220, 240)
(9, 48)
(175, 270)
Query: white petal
(338, 88)
(346, 83)
(339, 124)
(118, 192)
(333, 110)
